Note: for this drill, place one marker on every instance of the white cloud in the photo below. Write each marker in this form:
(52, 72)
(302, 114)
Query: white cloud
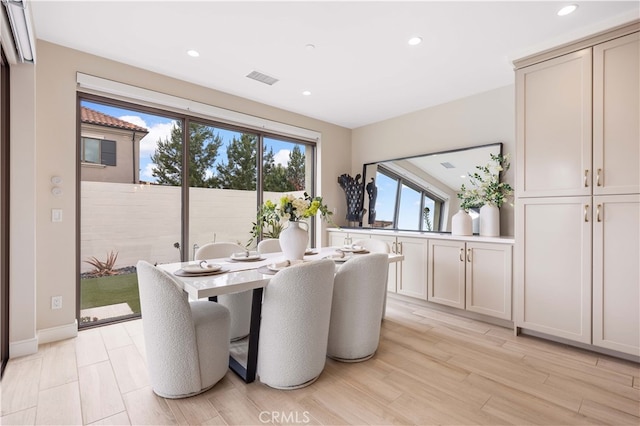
(158, 131)
(146, 173)
(282, 157)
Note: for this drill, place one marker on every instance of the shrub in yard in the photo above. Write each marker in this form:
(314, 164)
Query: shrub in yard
(103, 268)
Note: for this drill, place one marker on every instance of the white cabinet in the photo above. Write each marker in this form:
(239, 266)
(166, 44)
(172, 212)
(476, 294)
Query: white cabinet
(553, 272)
(554, 127)
(616, 274)
(616, 108)
(472, 276)
(411, 273)
(577, 232)
(339, 238)
(446, 278)
(489, 279)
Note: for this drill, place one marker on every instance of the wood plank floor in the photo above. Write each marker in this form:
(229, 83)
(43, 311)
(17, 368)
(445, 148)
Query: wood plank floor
(431, 368)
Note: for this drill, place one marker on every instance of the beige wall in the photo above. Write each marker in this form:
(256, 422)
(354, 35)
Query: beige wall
(55, 126)
(481, 119)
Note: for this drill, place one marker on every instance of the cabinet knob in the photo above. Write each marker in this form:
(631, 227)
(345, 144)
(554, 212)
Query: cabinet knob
(598, 218)
(468, 255)
(461, 255)
(598, 177)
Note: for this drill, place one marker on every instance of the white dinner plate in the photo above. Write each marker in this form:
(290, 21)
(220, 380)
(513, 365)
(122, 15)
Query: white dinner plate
(338, 258)
(243, 257)
(201, 267)
(353, 249)
(279, 266)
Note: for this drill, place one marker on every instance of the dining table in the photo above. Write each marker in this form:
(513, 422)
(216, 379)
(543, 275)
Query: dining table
(250, 271)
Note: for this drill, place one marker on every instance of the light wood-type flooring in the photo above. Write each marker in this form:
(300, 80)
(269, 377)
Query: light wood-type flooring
(431, 368)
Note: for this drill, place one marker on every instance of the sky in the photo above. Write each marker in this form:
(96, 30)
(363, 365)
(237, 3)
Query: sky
(160, 128)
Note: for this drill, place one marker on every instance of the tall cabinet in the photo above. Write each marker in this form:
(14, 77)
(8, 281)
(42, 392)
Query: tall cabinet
(578, 195)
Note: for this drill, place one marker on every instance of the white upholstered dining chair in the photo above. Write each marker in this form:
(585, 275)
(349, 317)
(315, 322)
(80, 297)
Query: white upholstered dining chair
(269, 245)
(296, 311)
(187, 343)
(239, 304)
(360, 286)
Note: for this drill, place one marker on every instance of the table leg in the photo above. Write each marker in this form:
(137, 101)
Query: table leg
(248, 373)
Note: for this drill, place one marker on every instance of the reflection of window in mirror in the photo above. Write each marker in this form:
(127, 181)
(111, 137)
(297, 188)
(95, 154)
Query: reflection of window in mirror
(403, 204)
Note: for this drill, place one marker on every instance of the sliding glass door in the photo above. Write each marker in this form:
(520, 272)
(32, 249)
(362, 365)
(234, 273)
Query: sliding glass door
(130, 204)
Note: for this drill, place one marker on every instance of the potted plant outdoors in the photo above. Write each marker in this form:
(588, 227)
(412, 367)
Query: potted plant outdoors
(486, 190)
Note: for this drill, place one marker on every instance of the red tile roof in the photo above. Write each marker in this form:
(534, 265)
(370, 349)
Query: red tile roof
(87, 115)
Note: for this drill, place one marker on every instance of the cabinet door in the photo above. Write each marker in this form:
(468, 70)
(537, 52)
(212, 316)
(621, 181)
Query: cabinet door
(446, 275)
(412, 271)
(553, 266)
(616, 275)
(616, 116)
(554, 127)
(488, 279)
(337, 238)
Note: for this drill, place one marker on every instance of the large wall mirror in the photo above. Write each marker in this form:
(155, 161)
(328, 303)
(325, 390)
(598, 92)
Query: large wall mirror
(419, 193)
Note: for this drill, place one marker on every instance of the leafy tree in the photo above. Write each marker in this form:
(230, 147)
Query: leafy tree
(275, 175)
(240, 170)
(203, 150)
(296, 169)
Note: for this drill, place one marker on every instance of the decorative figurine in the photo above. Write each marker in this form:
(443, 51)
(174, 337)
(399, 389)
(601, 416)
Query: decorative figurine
(354, 191)
(372, 190)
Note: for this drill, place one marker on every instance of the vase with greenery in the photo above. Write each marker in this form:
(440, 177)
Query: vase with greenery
(275, 218)
(486, 190)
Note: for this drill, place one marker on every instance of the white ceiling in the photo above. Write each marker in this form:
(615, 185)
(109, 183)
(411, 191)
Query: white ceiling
(361, 71)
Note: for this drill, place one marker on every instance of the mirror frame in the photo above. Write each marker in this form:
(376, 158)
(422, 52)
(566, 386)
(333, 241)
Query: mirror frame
(364, 174)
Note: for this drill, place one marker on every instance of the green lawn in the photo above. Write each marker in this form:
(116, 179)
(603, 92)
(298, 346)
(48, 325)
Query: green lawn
(104, 291)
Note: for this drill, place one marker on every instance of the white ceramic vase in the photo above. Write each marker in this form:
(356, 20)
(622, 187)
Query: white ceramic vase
(461, 223)
(489, 221)
(294, 239)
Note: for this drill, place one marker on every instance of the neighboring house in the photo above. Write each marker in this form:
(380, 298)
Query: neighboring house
(109, 148)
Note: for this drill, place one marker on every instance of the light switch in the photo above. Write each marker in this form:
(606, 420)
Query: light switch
(56, 215)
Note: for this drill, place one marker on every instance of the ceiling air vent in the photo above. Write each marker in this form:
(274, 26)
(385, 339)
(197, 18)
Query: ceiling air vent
(262, 78)
(448, 165)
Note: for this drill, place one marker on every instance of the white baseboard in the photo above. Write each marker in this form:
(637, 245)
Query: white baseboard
(23, 347)
(61, 332)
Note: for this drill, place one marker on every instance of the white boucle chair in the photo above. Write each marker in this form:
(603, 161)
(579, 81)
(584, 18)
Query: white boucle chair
(239, 304)
(376, 246)
(187, 343)
(269, 245)
(360, 287)
(296, 311)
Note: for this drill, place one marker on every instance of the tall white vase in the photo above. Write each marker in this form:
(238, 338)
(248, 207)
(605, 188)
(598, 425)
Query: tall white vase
(489, 221)
(294, 239)
(461, 223)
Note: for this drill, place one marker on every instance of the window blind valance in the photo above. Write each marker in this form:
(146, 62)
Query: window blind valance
(97, 85)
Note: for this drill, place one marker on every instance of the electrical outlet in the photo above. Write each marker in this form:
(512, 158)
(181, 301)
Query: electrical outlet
(56, 302)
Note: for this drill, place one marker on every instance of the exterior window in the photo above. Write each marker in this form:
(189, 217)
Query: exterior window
(99, 151)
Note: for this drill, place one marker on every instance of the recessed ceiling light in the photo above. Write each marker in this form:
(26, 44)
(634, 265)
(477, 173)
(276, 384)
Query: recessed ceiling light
(193, 53)
(415, 40)
(567, 10)
(306, 93)
(309, 46)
